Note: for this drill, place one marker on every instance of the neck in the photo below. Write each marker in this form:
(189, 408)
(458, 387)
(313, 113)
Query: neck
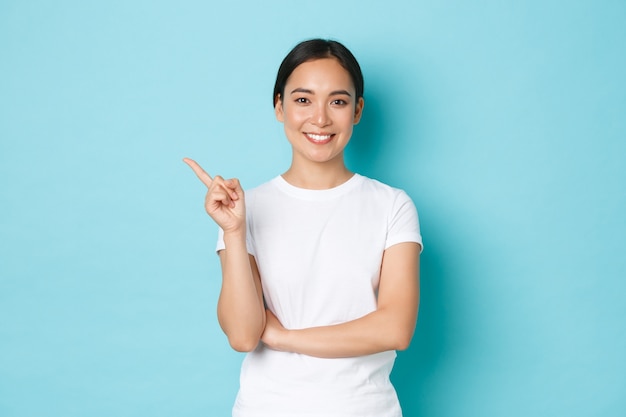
(317, 176)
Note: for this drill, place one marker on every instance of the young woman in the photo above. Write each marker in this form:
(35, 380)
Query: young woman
(320, 266)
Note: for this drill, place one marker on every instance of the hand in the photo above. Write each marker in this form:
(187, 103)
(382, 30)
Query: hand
(274, 331)
(224, 200)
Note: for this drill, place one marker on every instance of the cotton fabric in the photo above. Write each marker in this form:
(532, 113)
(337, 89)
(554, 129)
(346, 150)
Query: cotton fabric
(319, 254)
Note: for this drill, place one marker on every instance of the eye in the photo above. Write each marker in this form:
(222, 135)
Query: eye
(339, 102)
(302, 100)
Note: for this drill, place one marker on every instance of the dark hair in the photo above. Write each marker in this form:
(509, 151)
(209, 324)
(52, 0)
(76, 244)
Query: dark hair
(317, 49)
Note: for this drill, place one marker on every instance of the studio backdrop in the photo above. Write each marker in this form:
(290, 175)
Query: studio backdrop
(505, 121)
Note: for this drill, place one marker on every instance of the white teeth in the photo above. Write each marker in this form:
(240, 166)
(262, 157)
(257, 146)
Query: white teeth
(318, 137)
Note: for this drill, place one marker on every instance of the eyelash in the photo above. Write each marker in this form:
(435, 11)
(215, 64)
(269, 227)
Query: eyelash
(337, 102)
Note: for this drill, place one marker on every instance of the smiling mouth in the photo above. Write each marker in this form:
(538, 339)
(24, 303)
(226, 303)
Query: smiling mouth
(319, 138)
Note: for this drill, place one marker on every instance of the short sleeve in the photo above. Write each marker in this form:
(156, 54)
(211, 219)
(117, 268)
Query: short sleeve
(403, 223)
(220, 240)
(221, 246)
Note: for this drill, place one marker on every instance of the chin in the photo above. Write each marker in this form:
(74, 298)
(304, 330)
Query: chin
(322, 159)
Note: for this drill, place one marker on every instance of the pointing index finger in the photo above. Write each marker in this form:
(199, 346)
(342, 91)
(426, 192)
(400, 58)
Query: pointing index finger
(201, 173)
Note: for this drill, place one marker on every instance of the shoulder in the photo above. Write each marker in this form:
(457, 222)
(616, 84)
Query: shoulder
(401, 217)
(393, 201)
(381, 190)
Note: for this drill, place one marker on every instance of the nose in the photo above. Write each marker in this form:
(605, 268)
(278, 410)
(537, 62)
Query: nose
(320, 115)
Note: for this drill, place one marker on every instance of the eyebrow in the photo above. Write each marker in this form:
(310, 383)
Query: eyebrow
(333, 93)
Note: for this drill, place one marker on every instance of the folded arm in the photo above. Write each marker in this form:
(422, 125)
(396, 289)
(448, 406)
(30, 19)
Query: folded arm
(389, 327)
(240, 308)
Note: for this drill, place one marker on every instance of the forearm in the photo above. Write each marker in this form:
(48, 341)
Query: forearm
(379, 331)
(240, 306)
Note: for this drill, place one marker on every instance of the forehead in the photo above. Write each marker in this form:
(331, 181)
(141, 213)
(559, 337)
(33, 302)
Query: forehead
(321, 73)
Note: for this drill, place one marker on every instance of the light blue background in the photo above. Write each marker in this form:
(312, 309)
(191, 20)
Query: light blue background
(505, 121)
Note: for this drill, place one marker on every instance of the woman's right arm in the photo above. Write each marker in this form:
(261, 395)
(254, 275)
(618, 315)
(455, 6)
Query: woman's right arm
(240, 308)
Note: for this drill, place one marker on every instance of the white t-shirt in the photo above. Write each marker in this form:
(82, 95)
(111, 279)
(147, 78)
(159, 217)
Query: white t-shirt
(319, 254)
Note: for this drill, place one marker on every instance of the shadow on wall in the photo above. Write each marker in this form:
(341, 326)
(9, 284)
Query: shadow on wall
(376, 143)
(363, 153)
(416, 369)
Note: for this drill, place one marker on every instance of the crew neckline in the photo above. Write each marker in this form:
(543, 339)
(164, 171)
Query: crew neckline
(325, 194)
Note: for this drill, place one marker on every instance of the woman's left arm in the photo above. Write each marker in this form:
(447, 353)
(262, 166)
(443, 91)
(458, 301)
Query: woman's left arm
(389, 327)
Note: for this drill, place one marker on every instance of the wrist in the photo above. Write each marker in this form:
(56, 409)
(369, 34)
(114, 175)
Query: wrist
(235, 234)
(277, 339)
(281, 338)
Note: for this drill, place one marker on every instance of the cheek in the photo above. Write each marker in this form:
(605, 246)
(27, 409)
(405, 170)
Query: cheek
(295, 115)
(346, 117)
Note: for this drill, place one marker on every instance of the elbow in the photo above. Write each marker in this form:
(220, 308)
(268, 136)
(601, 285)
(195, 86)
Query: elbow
(402, 343)
(243, 344)
(402, 339)
(241, 337)
(242, 340)
(403, 333)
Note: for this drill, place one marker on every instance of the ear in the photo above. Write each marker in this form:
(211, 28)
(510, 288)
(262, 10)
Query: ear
(278, 108)
(358, 110)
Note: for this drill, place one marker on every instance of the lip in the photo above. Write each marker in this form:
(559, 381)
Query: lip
(319, 138)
